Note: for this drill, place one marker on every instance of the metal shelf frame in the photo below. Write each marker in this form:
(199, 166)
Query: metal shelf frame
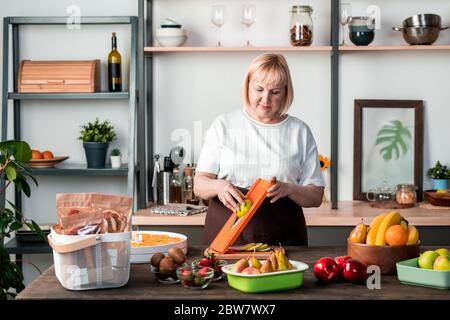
(134, 172)
(146, 18)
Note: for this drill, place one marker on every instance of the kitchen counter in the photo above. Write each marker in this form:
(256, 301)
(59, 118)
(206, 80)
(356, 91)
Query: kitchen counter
(349, 213)
(144, 286)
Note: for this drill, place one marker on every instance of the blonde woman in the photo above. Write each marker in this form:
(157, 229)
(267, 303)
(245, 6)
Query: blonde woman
(261, 141)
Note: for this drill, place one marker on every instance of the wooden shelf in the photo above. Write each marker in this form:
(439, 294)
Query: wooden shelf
(236, 49)
(297, 49)
(78, 169)
(69, 96)
(394, 48)
(348, 214)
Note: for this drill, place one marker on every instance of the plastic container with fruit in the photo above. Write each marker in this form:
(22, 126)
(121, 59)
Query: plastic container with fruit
(267, 282)
(409, 272)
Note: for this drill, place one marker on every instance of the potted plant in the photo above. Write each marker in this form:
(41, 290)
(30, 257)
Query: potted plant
(14, 155)
(440, 175)
(116, 158)
(96, 138)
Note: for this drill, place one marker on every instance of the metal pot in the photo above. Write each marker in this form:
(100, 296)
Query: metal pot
(423, 20)
(420, 35)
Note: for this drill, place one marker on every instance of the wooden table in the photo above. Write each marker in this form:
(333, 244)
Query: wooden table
(143, 286)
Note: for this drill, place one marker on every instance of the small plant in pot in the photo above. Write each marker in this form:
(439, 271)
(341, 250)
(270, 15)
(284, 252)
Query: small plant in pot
(96, 138)
(440, 175)
(116, 158)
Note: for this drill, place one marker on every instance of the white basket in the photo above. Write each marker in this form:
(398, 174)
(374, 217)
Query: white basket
(91, 261)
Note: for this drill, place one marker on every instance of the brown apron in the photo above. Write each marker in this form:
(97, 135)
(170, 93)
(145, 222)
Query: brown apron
(273, 223)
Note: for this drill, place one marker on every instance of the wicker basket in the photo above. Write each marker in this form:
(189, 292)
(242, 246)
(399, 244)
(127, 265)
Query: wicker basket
(437, 199)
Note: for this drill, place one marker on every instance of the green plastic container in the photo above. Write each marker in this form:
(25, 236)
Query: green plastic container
(267, 282)
(408, 272)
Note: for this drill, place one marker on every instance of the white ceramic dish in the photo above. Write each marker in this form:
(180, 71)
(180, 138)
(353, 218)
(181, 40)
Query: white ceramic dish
(144, 254)
(170, 32)
(172, 41)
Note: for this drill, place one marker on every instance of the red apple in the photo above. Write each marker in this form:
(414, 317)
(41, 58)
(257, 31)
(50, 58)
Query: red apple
(341, 260)
(354, 271)
(326, 269)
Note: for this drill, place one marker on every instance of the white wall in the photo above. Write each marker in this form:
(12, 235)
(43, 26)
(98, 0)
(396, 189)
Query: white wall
(191, 89)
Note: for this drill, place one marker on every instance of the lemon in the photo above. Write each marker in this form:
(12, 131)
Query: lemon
(441, 191)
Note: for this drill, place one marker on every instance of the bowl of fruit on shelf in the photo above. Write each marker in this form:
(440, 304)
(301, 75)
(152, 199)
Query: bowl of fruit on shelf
(388, 240)
(195, 278)
(210, 262)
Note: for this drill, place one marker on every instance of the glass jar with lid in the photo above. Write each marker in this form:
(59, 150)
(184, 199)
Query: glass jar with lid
(406, 194)
(301, 26)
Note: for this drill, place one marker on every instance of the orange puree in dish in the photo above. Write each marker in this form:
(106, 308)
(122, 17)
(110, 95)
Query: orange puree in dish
(144, 240)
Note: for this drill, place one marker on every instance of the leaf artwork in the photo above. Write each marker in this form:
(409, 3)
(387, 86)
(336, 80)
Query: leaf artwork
(393, 137)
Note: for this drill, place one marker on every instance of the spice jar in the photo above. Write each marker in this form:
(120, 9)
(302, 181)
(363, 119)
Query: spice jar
(301, 27)
(406, 194)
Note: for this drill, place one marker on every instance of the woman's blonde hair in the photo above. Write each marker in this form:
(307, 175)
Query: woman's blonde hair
(270, 69)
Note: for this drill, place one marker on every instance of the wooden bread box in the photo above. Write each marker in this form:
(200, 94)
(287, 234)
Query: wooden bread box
(59, 76)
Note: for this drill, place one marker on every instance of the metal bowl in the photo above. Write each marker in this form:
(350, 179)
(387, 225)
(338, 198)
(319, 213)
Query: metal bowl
(423, 20)
(420, 35)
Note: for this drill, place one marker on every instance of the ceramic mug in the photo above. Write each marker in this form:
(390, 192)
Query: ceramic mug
(362, 30)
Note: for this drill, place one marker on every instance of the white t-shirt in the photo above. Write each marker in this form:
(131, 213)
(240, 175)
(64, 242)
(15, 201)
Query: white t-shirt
(240, 149)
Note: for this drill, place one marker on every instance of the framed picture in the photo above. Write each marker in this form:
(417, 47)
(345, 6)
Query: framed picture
(388, 145)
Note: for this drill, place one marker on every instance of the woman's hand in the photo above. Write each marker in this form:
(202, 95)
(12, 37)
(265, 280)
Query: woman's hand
(278, 190)
(229, 195)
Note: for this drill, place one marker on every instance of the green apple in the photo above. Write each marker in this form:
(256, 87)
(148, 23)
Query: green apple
(442, 263)
(443, 252)
(427, 258)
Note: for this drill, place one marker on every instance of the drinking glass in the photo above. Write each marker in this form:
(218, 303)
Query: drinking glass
(218, 19)
(248, 17)
(345, 13)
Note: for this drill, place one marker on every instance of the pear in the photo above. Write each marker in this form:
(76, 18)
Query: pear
(240, 265)
(273, 261)
(266, 267)
(359, 233)
(254, 263)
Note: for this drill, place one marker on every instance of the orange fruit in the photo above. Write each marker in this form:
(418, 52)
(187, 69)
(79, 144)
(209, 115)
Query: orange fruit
(47, 154)
(396, 235)
(36, 154)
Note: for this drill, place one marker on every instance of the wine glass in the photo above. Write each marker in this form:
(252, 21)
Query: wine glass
(218, 19)
(345, 13)
(248, 17)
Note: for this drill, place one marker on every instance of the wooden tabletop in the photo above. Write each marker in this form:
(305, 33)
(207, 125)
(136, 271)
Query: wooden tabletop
(349, 213)
(144, 286)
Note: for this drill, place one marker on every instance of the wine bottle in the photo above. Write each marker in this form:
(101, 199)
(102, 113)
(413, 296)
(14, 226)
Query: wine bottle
(114, 67)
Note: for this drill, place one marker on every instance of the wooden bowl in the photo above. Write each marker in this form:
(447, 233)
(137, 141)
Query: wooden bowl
(437, 199)
(384, 256)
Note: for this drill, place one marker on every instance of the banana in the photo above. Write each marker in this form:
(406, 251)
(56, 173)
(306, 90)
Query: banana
(373, 229)
(391, 219)
(413, 235)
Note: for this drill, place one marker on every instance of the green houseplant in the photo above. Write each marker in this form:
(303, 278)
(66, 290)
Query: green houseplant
(96, 137)
(440, 175)
(116, 158)
(14, 155)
